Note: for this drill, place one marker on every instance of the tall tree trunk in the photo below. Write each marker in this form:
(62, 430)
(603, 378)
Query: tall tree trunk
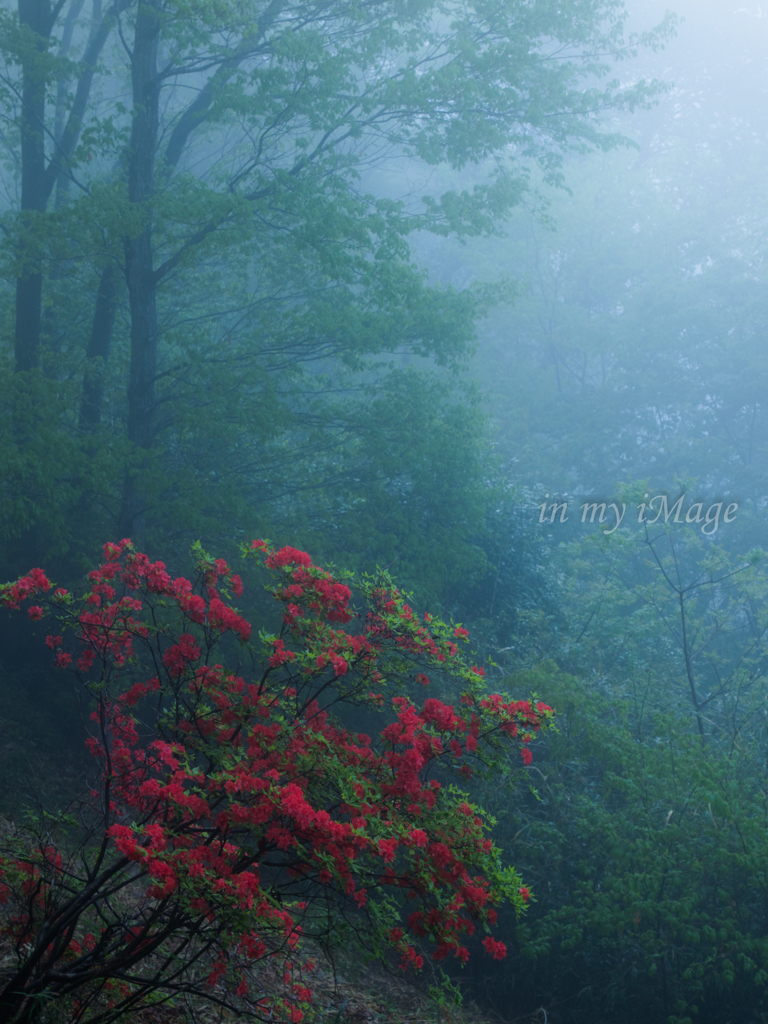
(36, 21)
(139, 270)
(99, 345)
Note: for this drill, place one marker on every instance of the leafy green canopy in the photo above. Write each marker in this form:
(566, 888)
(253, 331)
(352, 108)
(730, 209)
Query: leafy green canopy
(211, 259)
(646, 853)
(644, 838)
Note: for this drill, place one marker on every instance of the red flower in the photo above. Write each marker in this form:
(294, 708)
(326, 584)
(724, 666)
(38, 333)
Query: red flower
(281, 655)
(497, 949)
(387, 849)
(287, 556)
(176, 658)
(85, 660)
(194, 606)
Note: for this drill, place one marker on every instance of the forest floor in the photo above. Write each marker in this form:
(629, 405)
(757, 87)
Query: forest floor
(349, 992)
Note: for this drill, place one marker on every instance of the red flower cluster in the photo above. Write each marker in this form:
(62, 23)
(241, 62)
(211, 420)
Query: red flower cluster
(242, 772)
(12, 594)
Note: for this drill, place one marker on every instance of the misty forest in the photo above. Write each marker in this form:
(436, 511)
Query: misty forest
(382, 430)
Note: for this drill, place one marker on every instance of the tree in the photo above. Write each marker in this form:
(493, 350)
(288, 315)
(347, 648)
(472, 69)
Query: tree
(227, 206)
(676, 614)
(647, 858)
(237, 811)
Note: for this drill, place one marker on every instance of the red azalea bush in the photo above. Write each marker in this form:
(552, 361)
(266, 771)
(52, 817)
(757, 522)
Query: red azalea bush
(235, 812)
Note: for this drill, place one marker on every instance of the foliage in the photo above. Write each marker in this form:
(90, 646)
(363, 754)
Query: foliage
(235, 811)
(646, 851)
(665, 605)
(212, 277)
(513, 600)
(643, 835)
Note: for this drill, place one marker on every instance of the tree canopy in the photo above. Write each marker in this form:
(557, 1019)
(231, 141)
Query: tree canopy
(207, 230)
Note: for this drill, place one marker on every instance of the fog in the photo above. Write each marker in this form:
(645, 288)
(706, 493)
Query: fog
(474, 295)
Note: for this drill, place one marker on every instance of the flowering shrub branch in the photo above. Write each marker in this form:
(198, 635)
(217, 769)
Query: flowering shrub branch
(235, 813)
